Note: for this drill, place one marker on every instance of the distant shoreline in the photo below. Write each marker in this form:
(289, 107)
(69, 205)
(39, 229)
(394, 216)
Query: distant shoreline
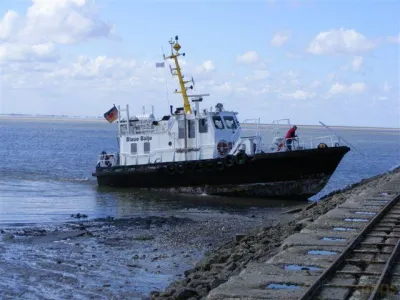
(47, 119)
(100, 120)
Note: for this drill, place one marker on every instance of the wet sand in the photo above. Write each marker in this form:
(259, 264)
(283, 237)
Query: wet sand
(113, 259)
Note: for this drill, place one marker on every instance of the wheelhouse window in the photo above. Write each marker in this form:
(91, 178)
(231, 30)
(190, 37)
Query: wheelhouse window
(203, 126)
(133, 148)
(191, 129)
(230, 122)
(146, 147)
(181, 129)
(218, 122)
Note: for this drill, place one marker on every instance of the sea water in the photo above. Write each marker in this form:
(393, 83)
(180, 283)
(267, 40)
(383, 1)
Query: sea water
(46, 167)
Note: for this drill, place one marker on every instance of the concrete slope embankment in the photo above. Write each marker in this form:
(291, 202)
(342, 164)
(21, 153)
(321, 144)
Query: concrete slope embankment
(305, 255)
(220, 274)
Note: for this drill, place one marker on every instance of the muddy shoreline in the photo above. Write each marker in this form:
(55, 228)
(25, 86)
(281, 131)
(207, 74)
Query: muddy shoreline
(160, 256)
(114, 258)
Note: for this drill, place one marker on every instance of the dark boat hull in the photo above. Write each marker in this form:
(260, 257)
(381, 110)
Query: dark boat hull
(295, 174)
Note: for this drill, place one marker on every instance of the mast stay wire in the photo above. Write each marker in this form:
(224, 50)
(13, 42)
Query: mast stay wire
(166, 80)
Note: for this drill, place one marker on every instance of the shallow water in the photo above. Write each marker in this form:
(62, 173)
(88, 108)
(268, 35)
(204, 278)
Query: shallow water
(283, 286)
(321, 252)
(301, 268)
(45, 175)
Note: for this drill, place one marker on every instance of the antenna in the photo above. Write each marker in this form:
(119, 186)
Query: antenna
(194, 85)
(175, 47)
(327, 127)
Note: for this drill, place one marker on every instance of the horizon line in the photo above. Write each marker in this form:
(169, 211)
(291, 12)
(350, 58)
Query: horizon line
(97, 118)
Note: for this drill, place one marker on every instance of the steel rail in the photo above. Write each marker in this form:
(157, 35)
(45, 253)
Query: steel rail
(377, 292)
(315, 288)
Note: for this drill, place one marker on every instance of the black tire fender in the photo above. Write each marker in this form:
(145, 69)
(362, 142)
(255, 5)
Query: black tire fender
(171, 169)
(180, 168)
(230, 160)
(219, 164)
(241, 158)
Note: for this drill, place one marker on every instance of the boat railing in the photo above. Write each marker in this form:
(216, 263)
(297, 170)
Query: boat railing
(107, 160)
(136, 127)
(255, 140)
(280, 144)
(250, 127)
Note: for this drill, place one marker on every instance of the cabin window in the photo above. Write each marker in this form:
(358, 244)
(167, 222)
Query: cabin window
(203, 126)
(237, 121)
(230, 122)
(218, 122)
(133, 148)
(146, 147)
(191, 129)
(181, 129)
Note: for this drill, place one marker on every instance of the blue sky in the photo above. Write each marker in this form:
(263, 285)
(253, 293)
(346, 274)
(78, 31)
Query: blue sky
(335, 61)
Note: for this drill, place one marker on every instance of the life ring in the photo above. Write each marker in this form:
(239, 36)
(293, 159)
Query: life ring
(322, 146)
(222, 147)
(229, 160)
(241, 158)
(219, 164)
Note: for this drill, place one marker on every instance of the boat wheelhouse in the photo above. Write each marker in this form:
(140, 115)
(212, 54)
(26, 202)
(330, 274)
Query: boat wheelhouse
(199, 150)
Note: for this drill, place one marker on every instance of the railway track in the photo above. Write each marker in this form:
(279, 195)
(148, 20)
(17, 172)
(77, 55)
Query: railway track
(349, 253)
(366, 267)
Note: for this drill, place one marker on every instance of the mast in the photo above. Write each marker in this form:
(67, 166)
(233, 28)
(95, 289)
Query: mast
(175, 46)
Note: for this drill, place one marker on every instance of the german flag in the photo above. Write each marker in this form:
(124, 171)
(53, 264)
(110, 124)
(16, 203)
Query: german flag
(111, 115)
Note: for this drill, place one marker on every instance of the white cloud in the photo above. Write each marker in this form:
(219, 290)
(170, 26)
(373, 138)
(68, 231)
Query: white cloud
(47, 24)
(19, 53)
(301, 95)
(64, 22)
(357, 63)
(340, 41)
(97, 68)
(315, 84)
(258, 75)
(386, 87)
(293, 55)
(291, 77)
(354, 88)
(331, 77)
(225, 89)
(248, 57)
(280, 39)
(206, 67)
(394, 39)
(7, 25)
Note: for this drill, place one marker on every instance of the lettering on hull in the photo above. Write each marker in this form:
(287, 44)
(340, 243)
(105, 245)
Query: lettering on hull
(137, 139)
(183, 150)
